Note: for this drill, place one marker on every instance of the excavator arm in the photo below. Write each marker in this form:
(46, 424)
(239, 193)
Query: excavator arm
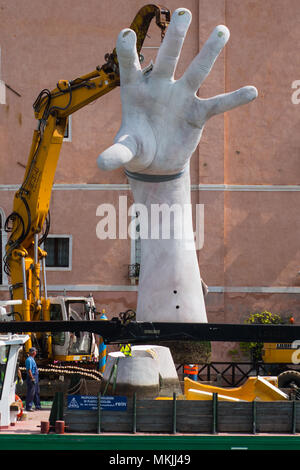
(31, 202)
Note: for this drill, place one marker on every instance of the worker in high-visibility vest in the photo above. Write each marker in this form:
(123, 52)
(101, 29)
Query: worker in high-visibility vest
(126, 349)
(191, 371)
(102, 347)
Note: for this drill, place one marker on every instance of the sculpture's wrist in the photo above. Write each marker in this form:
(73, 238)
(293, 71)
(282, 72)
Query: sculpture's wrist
(161, 189)
(169, 276)
(155, 178)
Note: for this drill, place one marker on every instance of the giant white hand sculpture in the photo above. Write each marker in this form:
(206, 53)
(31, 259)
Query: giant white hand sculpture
(162, 123)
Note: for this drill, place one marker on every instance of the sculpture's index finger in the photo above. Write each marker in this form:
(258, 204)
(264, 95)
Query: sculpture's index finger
(170, 49)
(201, 66)
(128, 59)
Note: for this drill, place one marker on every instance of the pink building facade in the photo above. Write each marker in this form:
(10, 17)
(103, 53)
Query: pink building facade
(245, 172)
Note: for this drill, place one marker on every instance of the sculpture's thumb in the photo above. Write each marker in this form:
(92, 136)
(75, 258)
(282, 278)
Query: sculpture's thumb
(116, 156)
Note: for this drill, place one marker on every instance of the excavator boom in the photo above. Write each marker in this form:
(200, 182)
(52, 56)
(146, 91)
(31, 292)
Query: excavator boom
(24, 258)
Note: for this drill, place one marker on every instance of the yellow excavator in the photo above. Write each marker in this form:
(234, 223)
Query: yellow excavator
(28, 223)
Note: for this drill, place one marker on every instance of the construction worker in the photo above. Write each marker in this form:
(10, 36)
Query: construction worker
(102, 347)
(32, 382)
(191, 371)
(126, 349)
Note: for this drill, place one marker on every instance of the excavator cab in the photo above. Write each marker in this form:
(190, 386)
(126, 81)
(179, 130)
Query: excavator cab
(69, 346)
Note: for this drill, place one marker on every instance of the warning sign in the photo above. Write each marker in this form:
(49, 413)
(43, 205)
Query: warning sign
(90, 402)
(73, 403)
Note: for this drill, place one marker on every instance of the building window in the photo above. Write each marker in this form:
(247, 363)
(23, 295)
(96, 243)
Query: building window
(59, 252)
(1, 253)
(68, 130)
(3, 241)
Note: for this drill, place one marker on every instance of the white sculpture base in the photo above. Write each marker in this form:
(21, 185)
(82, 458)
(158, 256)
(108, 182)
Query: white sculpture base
(149, 372)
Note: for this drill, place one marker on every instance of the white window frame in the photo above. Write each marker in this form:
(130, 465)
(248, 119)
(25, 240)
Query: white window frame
(2, 86)
(67, 268)
(69, 127)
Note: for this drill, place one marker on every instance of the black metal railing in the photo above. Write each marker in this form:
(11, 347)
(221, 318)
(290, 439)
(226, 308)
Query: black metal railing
(233, 374)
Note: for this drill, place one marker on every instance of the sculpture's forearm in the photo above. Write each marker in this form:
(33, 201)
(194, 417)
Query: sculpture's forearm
(170, 283)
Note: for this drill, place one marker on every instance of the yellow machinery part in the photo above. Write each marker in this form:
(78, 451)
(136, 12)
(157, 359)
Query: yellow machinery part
(202, 395)
(279, 353)
(74, 357)
(199, 395)
(254, 388)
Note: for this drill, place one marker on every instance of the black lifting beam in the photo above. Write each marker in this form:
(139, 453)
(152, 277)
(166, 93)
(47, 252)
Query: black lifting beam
(114, 331)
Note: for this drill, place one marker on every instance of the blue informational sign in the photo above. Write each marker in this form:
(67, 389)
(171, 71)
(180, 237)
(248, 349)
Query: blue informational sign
(90, 402)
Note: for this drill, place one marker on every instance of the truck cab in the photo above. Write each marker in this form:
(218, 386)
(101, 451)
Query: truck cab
(68, 346)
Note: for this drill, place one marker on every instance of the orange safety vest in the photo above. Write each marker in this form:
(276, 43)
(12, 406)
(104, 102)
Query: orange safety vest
(190, 369)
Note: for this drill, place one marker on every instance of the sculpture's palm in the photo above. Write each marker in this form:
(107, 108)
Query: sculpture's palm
(162, 119)
(165, 138)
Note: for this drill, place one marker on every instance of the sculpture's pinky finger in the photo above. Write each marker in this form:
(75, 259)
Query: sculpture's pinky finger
(227, 101)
